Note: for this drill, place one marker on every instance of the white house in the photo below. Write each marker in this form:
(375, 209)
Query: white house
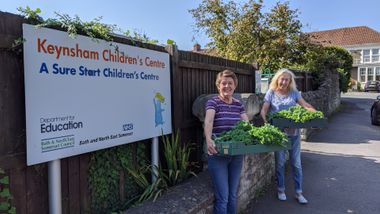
(364, 45)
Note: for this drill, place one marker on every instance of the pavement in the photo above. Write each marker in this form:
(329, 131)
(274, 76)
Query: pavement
(341, 166)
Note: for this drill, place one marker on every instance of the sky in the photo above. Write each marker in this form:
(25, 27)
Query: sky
(170, 19)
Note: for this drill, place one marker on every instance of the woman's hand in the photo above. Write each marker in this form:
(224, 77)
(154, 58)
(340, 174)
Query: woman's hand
(211, 149)
(264, 111)
(209, 121)
(311, 109)
(306, 105)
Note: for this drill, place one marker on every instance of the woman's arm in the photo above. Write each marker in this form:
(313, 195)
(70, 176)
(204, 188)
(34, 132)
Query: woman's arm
(306, 105)
(264, 111)
(208, 124)
(244, 117)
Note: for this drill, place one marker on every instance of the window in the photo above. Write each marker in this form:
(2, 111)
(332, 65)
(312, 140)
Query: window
(366, 55)
(375, 55)
(370, 74)
(362, 74)
(377, 73)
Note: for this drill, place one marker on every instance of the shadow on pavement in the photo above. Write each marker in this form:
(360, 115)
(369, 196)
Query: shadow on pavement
(348, 126)
(332, 184)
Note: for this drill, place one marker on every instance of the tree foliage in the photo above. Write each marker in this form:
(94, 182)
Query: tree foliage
(343, 63)
(247, 34)
(319, 59)
(273, 39)
(340, 60)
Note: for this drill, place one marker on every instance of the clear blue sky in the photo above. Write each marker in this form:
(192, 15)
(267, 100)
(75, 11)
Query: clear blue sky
(164, 19)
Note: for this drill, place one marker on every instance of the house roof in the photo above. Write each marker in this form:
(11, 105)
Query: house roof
(346, 36)
(207, 51)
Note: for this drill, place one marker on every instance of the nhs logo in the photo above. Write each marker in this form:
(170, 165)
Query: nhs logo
(128, 126)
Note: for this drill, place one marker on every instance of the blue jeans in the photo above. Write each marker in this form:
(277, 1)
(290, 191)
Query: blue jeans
(225, 175)
(295, 161)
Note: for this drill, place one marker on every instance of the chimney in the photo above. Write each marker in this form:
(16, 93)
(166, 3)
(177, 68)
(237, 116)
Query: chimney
(196, 47)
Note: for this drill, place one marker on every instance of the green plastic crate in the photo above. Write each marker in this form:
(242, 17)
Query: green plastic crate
(287, 123)
(240, 148)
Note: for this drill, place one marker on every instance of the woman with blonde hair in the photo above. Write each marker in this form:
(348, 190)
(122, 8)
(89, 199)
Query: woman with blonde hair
(283, 94)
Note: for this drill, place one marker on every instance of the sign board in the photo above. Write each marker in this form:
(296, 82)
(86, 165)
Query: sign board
(264, 85)
(83, 95)
(257, 82)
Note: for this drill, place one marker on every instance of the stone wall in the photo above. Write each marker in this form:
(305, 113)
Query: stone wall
(257, 172)
(195, 196)
(326, 98)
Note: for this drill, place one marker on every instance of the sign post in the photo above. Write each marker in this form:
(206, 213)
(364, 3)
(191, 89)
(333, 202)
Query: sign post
(155, 158)
(55, 194)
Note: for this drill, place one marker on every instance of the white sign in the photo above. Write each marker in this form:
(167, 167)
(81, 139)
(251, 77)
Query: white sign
(264, 85)
(258, 82)
(83, 95)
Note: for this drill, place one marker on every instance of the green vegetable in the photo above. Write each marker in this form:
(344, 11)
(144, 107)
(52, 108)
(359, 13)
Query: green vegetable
(268, 134)
(249, 134)
(297, 114)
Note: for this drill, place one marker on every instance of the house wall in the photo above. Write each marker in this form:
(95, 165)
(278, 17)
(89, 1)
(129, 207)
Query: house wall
(359, 64)
(354, 76)
(354, 73)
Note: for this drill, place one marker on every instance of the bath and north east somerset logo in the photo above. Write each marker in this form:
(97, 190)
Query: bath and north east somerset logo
(57, 124)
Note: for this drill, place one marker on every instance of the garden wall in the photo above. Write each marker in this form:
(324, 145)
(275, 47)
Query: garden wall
(326, 98)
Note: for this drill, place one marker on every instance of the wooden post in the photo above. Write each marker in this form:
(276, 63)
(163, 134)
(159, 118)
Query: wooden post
(176, 86)
(253, 89)
(305, 81)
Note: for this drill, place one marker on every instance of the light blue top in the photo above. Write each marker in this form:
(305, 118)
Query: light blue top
(280, 102)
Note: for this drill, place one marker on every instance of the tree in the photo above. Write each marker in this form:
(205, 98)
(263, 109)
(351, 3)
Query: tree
(245, 33)
(343, 64)
(318, 59)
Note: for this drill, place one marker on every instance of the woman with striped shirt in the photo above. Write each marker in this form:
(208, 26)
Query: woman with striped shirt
(222, 114)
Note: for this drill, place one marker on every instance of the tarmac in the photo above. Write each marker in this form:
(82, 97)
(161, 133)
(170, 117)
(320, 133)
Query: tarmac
(341, 166)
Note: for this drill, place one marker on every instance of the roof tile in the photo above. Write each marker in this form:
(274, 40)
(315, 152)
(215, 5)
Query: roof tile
(346, 36)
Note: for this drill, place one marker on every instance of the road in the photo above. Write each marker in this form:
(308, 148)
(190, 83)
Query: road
(341, 166)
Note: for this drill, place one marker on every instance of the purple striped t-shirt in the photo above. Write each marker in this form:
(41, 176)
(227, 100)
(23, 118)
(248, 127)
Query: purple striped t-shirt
(226, 115)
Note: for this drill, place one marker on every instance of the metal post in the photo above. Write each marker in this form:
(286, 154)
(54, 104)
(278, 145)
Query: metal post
(55, 202)
(155, 158)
